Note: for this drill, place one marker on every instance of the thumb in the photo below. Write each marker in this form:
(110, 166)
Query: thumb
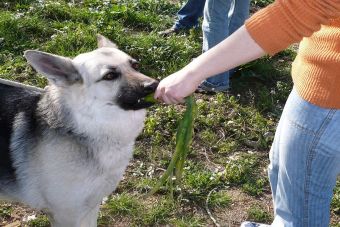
(159, 91)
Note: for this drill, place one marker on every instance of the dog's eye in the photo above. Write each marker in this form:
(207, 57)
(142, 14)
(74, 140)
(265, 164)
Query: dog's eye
(134, 64)
(111, 76)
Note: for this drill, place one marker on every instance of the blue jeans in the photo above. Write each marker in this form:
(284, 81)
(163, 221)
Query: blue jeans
(189, 14)
(221, 19)
(304, 163)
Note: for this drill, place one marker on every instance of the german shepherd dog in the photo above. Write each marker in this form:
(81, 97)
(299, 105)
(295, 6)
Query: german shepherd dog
(65, 147)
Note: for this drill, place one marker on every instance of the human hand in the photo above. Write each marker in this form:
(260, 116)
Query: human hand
(174, 88)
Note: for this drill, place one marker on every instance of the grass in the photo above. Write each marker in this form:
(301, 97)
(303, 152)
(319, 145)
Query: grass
(40, 221)
(257, 214)
(142, 212)
(262, 3)
(335, 206)
(5, 211)
(233, 132)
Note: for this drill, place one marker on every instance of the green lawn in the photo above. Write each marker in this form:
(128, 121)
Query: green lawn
(225, 175)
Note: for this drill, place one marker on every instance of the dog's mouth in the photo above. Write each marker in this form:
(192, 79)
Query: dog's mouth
(135, 103)
(146, 102)
(132, 99)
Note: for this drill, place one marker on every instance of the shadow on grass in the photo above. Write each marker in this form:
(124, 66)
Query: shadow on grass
(264, 84)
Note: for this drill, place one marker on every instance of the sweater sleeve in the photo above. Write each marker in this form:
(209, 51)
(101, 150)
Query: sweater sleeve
(285, 22)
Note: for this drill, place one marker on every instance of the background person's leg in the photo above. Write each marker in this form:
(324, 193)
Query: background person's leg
(221, 19)
(217, 15)
(241, 13)
(189, 14)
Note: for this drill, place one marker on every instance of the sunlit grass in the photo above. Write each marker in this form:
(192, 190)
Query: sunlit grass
(233, 132)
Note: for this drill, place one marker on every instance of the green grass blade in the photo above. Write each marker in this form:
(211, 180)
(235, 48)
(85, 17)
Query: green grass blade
(183, 141)
(185, 135)
(150, 98)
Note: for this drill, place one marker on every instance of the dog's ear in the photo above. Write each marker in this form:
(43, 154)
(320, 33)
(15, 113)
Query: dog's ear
(105, 42)
(59, 70)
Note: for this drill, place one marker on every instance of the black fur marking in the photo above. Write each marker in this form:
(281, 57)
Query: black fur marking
(14, 100)
(132, 97)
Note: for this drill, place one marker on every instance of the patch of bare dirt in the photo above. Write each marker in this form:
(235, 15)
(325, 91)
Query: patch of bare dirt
(237, 212)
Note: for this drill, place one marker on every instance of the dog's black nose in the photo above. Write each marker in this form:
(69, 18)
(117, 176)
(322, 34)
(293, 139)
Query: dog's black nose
(150, 87)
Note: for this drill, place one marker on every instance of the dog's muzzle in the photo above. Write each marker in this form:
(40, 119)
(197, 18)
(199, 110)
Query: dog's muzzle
(132, 98)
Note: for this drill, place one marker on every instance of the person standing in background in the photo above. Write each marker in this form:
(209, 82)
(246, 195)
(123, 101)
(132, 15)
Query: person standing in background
(221, 19)
(187, 17)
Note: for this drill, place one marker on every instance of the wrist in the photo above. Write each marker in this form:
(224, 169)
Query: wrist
(194, 73)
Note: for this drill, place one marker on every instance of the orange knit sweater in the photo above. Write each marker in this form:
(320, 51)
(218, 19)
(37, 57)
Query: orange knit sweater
(316, 69)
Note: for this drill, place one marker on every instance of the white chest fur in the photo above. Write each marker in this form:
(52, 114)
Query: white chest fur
(84, 173)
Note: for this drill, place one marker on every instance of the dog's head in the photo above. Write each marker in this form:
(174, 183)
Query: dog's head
(105, 76)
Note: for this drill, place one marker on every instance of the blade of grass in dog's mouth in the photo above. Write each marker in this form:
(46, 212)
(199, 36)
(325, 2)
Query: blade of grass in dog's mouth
(150, 98)
(183, 140)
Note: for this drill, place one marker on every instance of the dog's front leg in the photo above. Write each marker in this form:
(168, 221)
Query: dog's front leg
(90, 218)
(82, 217)
(63, 222)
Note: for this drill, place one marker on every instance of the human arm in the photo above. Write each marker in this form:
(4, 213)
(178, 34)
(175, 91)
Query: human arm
(238, 49)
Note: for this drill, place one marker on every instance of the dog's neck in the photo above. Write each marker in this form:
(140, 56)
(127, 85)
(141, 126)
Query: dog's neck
(53, 114)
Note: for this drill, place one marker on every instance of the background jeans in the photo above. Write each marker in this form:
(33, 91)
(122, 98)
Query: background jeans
(221, 19)
(304, 163)
(189, 14)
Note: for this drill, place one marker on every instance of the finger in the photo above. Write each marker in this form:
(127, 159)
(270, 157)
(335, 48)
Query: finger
(169, 97)
(180, 100)
(166, 100)
(158, 92)
(175, 100)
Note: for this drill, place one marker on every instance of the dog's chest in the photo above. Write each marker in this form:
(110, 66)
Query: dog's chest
(102, 158)
(68, 171)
